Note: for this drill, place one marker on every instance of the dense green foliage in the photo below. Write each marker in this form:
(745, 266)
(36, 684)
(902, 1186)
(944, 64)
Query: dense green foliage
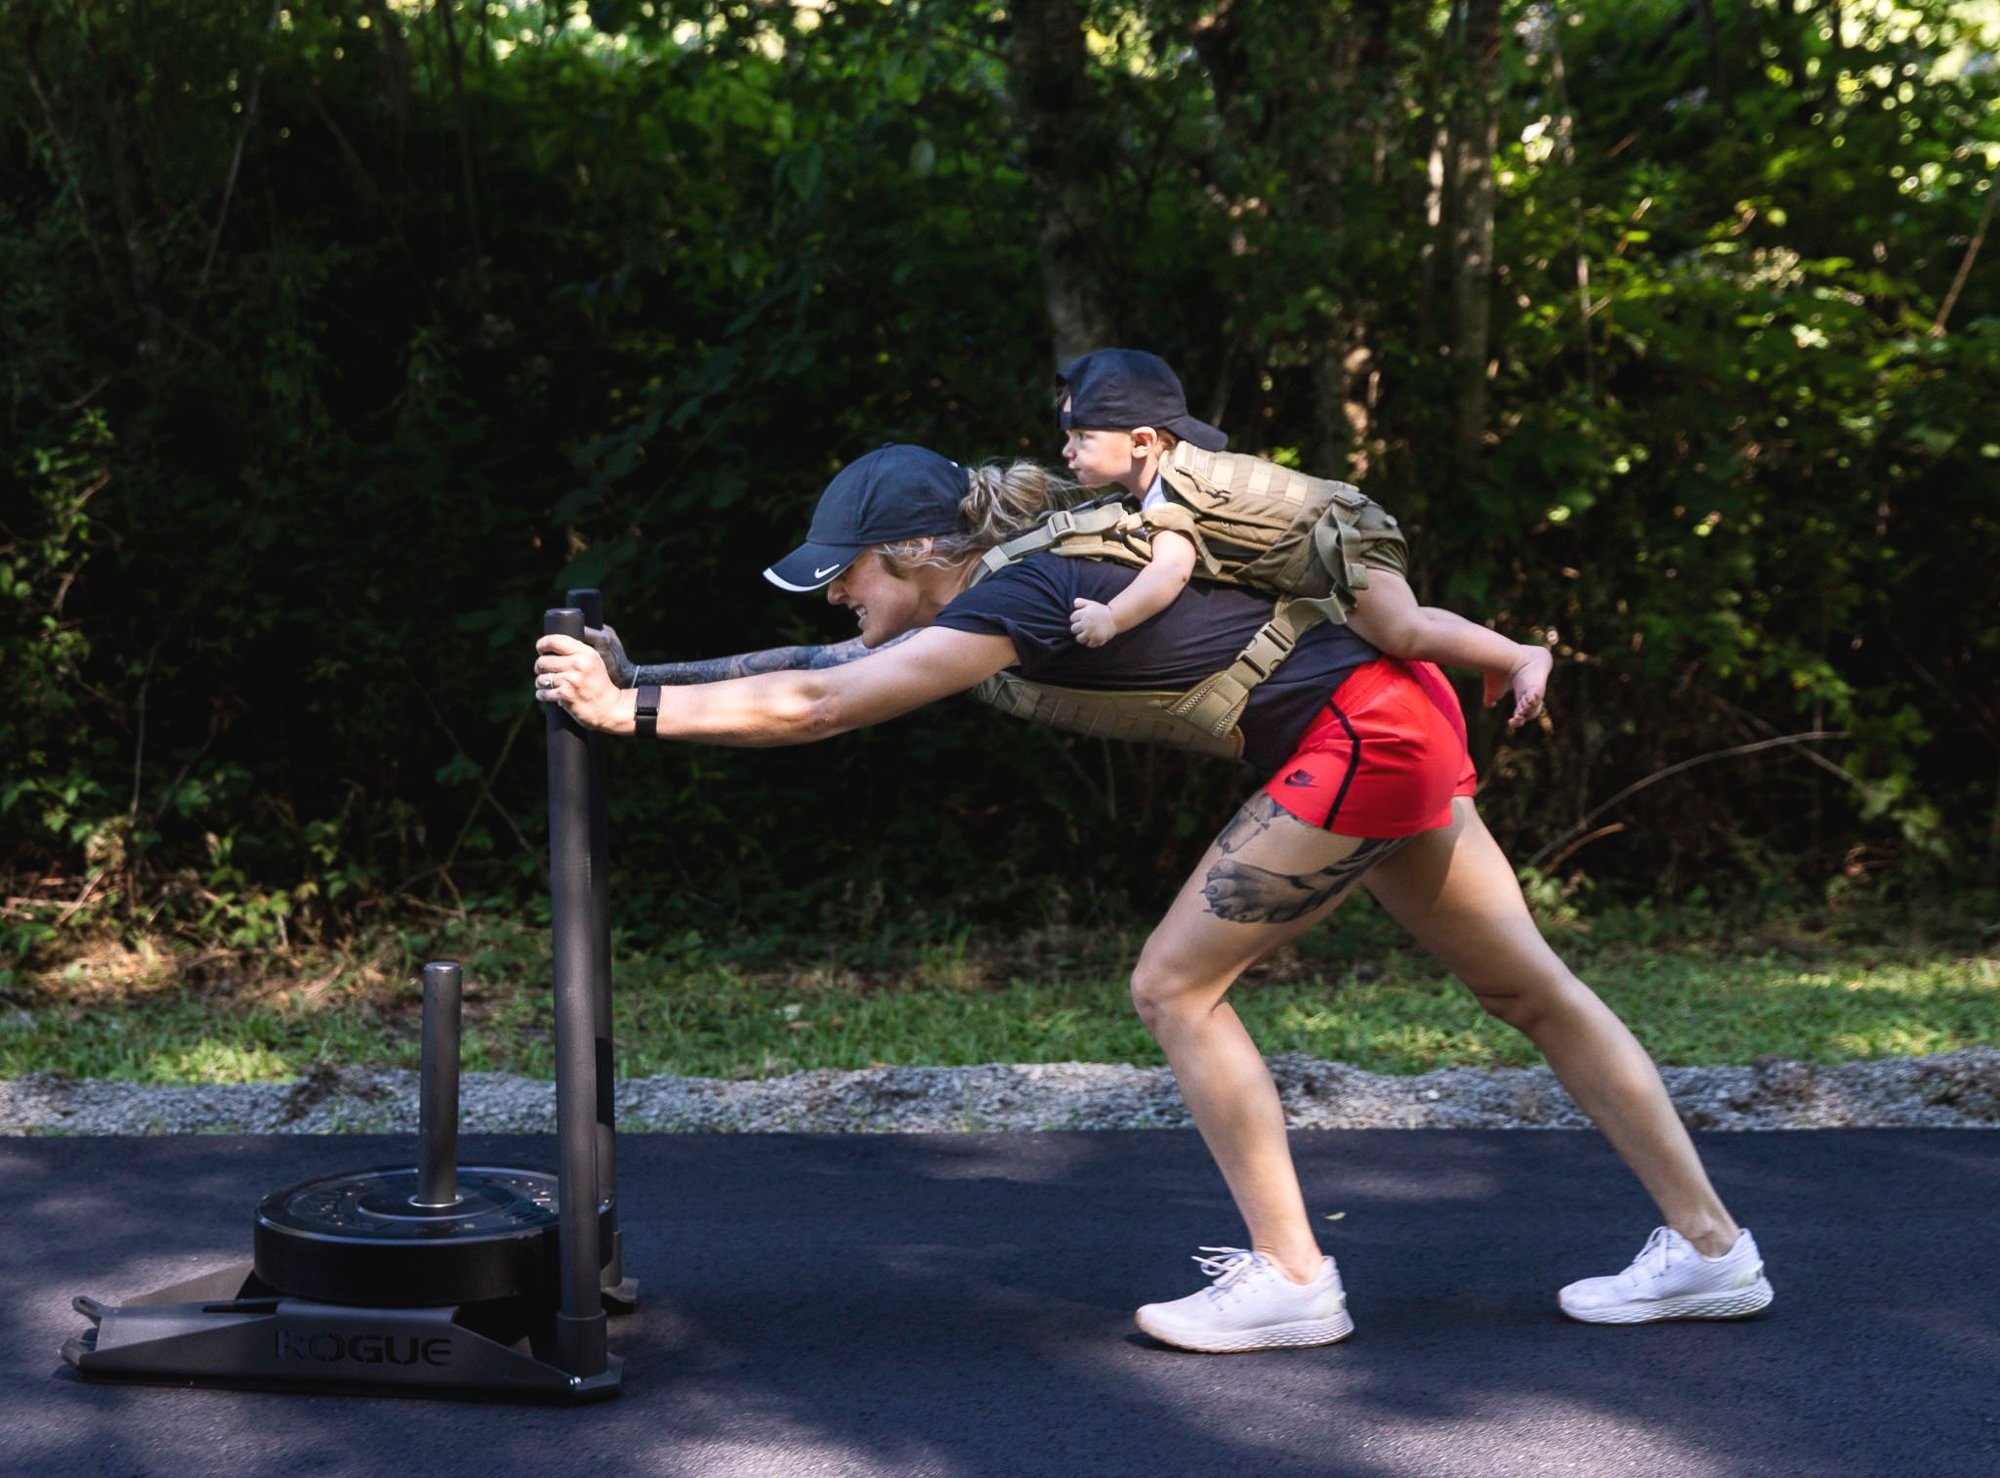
(338, 340)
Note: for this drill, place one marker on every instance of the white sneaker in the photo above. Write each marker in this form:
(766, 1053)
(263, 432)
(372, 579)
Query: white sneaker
(1670, 1279)
(1251, 1306)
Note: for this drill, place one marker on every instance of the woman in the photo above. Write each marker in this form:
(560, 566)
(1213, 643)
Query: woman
(897, 538)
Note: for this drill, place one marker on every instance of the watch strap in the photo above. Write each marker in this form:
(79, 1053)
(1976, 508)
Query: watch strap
(646, 716)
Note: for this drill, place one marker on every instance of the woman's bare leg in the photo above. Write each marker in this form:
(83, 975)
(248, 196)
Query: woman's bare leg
(1455, 891)
(1263, 882)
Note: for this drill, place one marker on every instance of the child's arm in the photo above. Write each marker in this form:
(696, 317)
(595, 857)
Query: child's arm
(1093, 623)
(1388, 616)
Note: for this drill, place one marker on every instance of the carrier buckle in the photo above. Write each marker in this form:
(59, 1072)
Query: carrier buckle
(1267, 649)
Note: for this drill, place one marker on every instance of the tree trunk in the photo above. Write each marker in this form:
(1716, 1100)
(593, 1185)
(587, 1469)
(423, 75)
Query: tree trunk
(1355, 81)
(1053, 103)
(1475, 136)
(1718, 65)
(1566, 153)
(455, 64)
(1436, 213)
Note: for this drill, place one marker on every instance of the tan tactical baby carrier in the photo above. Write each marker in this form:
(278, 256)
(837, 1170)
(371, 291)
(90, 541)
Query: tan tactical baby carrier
(1307, 540)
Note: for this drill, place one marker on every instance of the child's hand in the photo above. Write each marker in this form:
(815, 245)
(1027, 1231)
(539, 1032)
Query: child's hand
(1092, 623)
(1528, 681)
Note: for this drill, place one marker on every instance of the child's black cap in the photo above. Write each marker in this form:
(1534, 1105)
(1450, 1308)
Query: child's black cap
(1123, 389)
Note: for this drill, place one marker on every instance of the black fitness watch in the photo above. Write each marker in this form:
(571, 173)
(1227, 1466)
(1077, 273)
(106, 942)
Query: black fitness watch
(646, 717)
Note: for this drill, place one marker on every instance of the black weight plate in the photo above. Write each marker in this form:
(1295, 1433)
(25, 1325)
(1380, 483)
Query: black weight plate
(359, 1238)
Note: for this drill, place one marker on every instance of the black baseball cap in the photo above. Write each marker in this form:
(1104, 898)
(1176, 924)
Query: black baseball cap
(894, 492)
(1123, 389)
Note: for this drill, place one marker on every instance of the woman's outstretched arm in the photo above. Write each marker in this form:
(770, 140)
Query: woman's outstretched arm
(776, 708)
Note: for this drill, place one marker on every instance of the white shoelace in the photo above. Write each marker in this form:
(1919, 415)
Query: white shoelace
(1228, 1267)
(1654, 1256)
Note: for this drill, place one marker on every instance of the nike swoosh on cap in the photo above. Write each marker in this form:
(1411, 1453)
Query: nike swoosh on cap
(822, 574)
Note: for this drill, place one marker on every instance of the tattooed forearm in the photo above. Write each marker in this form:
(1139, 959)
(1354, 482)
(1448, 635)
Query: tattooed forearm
(1245, 894)
(716, 669)
(774, 659)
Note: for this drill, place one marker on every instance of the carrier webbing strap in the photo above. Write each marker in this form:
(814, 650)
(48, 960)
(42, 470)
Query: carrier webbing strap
(1093, 520)
(1181, 521)
(1107, 530)
(1215, 705)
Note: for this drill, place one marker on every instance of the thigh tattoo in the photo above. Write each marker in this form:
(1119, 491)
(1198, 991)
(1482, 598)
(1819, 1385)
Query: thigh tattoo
(1251, 822)
(1243, 893)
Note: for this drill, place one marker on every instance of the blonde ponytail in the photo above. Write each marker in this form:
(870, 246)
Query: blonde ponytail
(1000, 502)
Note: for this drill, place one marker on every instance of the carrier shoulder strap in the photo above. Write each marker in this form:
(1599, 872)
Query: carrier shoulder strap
(1105, 529)
(1181, 520)
(1092, 522)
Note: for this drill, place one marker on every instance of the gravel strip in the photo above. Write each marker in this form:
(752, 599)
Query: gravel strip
(1957, 1090)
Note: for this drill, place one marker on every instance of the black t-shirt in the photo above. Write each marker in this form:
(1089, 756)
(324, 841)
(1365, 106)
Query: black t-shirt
(1029, 603)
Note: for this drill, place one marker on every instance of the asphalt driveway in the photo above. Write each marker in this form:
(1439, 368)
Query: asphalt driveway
(960, 1304)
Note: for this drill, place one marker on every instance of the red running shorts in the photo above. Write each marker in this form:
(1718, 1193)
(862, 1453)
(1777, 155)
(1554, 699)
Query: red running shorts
(1384, 759)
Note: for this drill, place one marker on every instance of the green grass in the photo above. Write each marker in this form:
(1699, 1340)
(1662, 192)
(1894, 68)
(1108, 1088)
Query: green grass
(701, 1009)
